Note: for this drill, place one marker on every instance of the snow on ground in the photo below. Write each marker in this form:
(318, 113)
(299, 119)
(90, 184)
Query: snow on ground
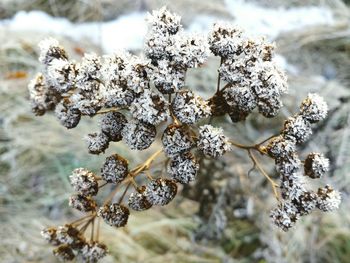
(128, 31)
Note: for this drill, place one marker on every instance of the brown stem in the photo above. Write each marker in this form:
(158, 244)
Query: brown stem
(262, 171)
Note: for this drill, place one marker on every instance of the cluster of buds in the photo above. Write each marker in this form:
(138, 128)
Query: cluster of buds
(137, 97)
(298, 200)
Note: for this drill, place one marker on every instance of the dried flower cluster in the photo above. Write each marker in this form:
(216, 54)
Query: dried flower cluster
(138, 97)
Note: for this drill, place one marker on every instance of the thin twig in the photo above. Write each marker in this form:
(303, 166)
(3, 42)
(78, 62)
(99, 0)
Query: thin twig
(262, 171)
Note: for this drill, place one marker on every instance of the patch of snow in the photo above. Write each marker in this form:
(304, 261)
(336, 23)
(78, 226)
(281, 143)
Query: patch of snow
(126, 32)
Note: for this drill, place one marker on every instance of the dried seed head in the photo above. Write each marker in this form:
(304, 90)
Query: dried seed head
(50, 49)
(139, 135)
(168, 78)
(291, 186)
(305, 203)
(189, 51)
(112, 124)
(212, 141)
(328, 199)
(68, 116)
(114, 214)
(69, 235)
(89, 72)
(164, 21)
(97, 142)
(138, 201)
(298, 128)
(313, 108)
(117, 96)
(82, 203)
(49, 234)
(240, 101)
(160, 191)
(135, 74)
(61, 74)
(270, 108)
(115, 169)
(42, 98)
(84, 182)
(87, 103)
(190, 108)
(176, 140)
(92, 252)
(64, 253)
(316, 165)
(281, 148)
(284, 216)
(288, 166)
(183, 168)
(150, 108)
(225, 39)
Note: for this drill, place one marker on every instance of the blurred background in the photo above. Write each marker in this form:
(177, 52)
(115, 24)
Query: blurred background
(223, 216)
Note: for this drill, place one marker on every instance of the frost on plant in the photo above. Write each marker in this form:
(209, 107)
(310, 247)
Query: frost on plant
(137, 98)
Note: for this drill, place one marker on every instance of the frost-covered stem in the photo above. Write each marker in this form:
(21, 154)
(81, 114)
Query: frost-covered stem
(80, 220)
(107, 110)
(92, 229)
(98, 229)
(219, 78)
(262, 171)
(124, 193)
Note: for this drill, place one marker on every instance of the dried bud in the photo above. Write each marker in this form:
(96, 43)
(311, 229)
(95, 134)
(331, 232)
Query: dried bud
(49, 234)
(328, 199)
(88, 103)
(97, 142)
(42, 98)
(284, 216)
(168, 78)
(316, 165)
(150, 108)
(281, 148)
(176, 140)
(190, 50)
(84, 182)
(82, 203)
(139, 135)
(61, 74)
(138, 201)
(115, 169)
(212, 141)
(183, 168)
(305, 203)
(313, 108)
(112, 124)
(240, 102)
(88, 72)
(190, 108)
(160, 191)
(64, 253)
(68, 116)
(114, 214)
(70, 235)
(269, 108)
(298, 128)
(225, 39)
(50, 49)
(164, 21)
(92, 252)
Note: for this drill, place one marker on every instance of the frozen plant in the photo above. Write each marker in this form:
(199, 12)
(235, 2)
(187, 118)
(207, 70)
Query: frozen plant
(138, 97)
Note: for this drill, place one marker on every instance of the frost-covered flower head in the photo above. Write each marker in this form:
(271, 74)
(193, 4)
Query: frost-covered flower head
(212, 141)
(165, 21)
(328, 199)
(316, 165)
(313, 108)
